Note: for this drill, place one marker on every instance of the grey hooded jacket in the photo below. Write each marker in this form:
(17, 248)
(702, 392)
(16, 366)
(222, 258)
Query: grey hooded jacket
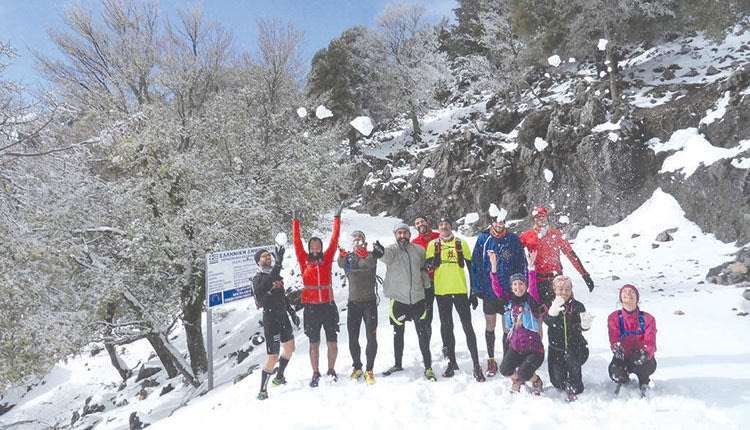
(406, 274)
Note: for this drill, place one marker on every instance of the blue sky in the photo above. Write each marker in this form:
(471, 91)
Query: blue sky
(23, 23)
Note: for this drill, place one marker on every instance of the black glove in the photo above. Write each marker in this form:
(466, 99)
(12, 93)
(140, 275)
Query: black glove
(588, 281)
(292, 314)
(640, 357)
(337, 214)
(279, 254)
(377, 249)
(619, 352)
(295, 213)
(474, 300)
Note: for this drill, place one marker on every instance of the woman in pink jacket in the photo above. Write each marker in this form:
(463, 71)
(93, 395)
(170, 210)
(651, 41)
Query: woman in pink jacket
(632, 337)
(522, 313)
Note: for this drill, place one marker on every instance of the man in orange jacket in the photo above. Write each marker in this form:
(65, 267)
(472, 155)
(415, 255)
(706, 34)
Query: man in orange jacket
(317, 294)
(549, 243)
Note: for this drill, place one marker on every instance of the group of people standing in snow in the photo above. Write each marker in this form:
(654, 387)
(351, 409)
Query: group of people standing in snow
(517, 276)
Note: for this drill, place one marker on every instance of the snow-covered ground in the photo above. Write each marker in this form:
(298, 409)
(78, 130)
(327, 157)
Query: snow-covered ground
(701, 380)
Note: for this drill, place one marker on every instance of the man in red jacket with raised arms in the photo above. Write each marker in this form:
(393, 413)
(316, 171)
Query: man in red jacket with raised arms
(317, 294)
(549, 243)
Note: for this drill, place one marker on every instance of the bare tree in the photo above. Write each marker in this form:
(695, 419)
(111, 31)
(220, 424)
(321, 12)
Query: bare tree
(108, 64)
(416, 65)
(279, 66)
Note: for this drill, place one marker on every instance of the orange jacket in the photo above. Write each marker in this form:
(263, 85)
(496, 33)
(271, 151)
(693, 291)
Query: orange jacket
(316, 275)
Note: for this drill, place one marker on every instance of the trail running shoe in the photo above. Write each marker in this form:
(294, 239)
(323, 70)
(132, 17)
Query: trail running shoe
(369, 377)
(537, 386)
(450, 371)
(263, 395)
(356, 374)
(491, 367)
(278, 381)
(393, 369)
(517, 382)
(570, 392)
(429, 375)
(478, 373)
(643, 389)
(315, 379)
(332, 375)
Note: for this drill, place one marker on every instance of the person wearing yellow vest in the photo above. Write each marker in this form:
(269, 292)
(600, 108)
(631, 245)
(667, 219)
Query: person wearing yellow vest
(449, 255)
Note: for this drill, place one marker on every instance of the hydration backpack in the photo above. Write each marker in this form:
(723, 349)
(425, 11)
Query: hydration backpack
(436, 260)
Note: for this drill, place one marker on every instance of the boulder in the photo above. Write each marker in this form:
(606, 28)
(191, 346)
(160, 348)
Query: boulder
(146, 372)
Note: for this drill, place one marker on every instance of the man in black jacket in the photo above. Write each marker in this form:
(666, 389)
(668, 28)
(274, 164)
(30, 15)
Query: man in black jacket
(268, 288)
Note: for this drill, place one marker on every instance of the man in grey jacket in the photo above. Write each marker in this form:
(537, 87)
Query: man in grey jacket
(405, 283)
(360, 266)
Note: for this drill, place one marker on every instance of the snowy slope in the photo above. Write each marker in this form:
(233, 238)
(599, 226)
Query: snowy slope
(651, 77)
(701, 380)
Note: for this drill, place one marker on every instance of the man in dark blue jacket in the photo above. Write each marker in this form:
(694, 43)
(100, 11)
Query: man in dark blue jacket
(511, 259)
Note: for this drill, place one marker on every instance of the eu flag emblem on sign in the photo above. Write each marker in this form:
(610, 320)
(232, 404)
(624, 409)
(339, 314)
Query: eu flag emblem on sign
(214, 299)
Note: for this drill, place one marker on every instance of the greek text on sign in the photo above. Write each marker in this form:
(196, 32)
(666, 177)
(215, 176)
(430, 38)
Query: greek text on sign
(229, 275)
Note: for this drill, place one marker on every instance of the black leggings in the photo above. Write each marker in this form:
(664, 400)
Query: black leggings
(445, 305)
(565, 369)
(620, 370)
(400, 313)
(545, 290)
(356, 313)
(524, 364)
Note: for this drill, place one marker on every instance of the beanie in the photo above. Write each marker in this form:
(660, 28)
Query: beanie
(355, 232)
(518, 277)
(259, 254)
(445, 219)
(401, 226)
(539, 210)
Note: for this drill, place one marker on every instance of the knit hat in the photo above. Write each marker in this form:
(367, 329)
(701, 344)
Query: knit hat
(259, 254)
(445, 219)
(401, 226)
(359, 232)
(632, 287)
(518, 277)
(539, 210)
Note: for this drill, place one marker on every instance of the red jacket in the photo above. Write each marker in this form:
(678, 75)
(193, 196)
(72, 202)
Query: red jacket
(632, 342)
(316, 275)
(424, 239)
(548, 249)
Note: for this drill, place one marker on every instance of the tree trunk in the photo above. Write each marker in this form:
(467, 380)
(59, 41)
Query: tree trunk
(163, 353)
(193, 295)
(352, 136)
(117, 362)
(416, 130)
(168, 355)
(115, 359)
(177, 361)
(613, 74)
